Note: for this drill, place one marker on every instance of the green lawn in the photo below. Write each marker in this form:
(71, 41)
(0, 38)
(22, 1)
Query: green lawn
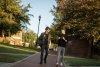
(15, 49)
(10, 53)
(75, 61)
(11, 58)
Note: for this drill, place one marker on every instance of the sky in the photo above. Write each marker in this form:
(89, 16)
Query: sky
(40, 7)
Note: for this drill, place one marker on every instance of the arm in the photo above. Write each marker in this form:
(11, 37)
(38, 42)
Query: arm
(49, 39)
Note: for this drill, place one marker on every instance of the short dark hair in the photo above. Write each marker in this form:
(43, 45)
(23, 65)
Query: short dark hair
(47, 28)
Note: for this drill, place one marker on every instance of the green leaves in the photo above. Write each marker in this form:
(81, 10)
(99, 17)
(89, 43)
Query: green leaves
(80, 16)
(13, 16)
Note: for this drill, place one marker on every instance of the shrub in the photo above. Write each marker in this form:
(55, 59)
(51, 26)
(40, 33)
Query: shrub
(5, 41)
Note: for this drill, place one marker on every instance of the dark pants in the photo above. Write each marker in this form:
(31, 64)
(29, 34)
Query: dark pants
(44, 49)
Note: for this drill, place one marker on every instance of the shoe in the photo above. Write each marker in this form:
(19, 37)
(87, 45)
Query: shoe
(61, 64)
(57, 64)
(45, 61)
(40, 62)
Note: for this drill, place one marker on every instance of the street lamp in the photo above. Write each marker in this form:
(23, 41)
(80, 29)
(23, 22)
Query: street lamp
(38, 29)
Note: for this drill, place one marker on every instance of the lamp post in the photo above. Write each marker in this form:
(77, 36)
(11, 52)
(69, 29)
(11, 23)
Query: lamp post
(38, 29)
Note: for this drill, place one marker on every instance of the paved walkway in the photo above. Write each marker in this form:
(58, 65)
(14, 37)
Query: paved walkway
(33, 61)
(2, 64)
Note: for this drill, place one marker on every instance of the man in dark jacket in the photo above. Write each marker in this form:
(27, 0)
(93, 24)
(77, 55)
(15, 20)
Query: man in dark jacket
(45, 40)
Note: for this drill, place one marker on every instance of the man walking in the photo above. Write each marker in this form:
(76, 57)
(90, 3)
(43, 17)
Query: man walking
(45, 40)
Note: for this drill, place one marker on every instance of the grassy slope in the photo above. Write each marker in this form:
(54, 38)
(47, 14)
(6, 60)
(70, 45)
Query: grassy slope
(14, 50)
(10, 58)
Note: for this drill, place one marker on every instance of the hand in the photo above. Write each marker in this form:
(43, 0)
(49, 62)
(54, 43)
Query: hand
(65, 40)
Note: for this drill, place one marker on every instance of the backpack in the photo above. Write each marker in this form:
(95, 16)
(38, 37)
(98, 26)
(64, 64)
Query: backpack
(40, 39)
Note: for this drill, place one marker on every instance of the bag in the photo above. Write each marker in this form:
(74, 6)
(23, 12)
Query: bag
(40, 39)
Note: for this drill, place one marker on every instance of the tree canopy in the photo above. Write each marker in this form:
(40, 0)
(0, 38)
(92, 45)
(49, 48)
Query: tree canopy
(79, 17)
(13, 16)
(29, 37)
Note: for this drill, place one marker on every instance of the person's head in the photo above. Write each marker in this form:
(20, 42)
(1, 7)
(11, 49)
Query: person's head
(62, 31)
(47, 29)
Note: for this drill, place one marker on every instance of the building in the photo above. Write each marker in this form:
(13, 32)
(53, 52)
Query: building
(15, 39)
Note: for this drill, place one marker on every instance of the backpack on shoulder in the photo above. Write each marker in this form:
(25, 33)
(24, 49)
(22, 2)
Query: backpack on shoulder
(40, 39)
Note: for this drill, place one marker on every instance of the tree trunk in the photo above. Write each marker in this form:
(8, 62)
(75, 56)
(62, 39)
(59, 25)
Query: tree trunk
(3, 35)
(91, 52)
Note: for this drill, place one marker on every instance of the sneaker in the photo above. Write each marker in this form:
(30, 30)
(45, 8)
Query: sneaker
(57, 63)
(40, 62)
(61, 64)
(45, 61)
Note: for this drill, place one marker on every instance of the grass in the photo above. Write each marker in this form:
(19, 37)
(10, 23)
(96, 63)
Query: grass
(10, 58)
(11, 53)
(75, 61)
(16, 49)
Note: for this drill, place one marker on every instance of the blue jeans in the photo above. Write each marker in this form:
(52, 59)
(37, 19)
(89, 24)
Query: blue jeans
(44, 49)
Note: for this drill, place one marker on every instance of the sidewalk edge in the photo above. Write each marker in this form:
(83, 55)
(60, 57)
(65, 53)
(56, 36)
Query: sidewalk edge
(23, 59)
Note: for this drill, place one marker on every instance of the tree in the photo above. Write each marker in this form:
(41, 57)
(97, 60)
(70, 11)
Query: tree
(12, 16)
(79, 17)
(82, 17)
(54, 34)
(29, 37)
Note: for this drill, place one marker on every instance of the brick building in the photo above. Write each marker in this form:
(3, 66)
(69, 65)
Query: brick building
(15, 39)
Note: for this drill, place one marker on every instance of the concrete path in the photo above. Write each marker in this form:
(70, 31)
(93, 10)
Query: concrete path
(33, 61)
(2, 64)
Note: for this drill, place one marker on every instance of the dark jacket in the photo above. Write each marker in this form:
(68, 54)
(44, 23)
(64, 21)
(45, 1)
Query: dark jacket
(44, 39)
(61, 41)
